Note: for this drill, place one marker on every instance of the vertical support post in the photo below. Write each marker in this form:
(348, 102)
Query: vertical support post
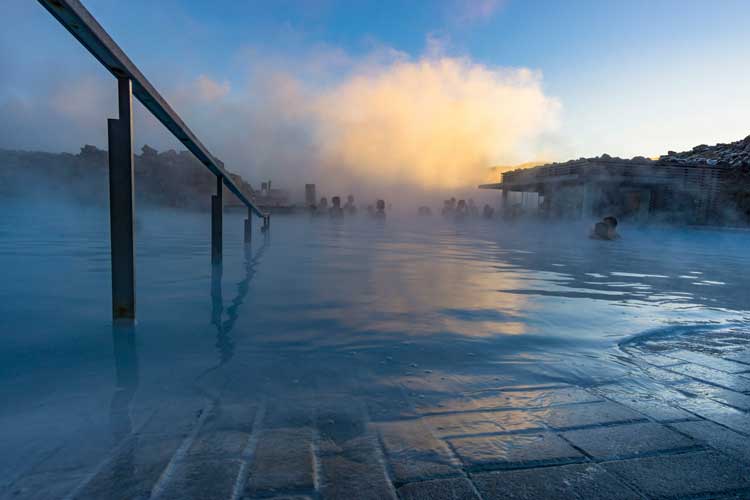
(266, 223)
(249, 226)
(505, 200)
(122, 204)
(217, 208)
(127, 378)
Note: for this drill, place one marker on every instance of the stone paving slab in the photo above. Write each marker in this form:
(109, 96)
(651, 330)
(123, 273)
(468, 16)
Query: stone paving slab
(665, 376)
(354, 468)
(722, 414)
(717, 437)
(644, 402)
(719, 394)
(679, 476)
(204, 479)
(658, 359)
(462, 424)
(390, 404)
(78, 456)
(538, 398)
(709, 361)
(218, 444)
(514, 451)
(672, 428)
(626, 441)
(42, 486)
(426, 406)
(289, 413)
(283, 462)
(567, 482)
(133, 471)
(734, 382)
(575, 416)
(518, 420)
(175, 418)
(739, 356)
(288, 497)
(234, 417)
(440, 489)
(413, 453)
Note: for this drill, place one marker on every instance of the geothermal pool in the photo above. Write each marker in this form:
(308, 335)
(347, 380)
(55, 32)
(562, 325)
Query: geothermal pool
(356, 311)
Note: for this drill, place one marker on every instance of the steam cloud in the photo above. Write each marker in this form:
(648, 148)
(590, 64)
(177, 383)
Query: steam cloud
(437, 123)
(382, 121)
(432, 124)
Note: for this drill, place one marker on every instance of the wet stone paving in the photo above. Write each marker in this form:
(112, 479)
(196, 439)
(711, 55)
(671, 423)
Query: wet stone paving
(676, 427)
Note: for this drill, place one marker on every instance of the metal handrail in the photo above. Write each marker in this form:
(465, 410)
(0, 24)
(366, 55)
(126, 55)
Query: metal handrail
(82, 25)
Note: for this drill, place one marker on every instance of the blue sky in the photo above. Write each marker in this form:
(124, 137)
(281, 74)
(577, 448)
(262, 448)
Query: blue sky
(631, 77)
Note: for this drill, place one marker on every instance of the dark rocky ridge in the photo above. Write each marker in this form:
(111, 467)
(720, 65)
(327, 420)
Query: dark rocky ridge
(169, 178)
(734, 154)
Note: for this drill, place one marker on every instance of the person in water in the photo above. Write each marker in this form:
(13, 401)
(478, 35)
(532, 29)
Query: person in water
(380, 209)
(461, 209)
(322, 207)
(336, 210)
(447, 210)
(349, 207)
(488, 211)
(605, 229)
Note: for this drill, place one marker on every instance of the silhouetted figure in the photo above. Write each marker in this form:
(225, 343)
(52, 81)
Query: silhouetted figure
(488, 211)
(446, 208)
(380, 209)
(336, 210)
(322, 207)
(473, 210)
(424, 211)
(606, 229)
(461, 209)
(349, 207)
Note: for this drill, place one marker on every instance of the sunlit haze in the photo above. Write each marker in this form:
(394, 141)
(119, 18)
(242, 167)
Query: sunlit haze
(424, 94)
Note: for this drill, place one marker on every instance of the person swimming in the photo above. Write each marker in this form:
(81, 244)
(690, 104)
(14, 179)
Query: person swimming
(605, 229)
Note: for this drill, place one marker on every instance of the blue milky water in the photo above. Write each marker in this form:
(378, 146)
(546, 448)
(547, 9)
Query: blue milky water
(325, 305)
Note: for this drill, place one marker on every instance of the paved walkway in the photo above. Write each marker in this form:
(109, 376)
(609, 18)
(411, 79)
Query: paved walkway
(677, 427)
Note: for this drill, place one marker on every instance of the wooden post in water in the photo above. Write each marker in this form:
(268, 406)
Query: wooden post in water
(217, 208)
(122, 204)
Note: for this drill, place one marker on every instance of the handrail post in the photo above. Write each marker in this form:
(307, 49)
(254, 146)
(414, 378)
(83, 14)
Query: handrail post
(249, 226)
(122, 204)
(217, 206)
